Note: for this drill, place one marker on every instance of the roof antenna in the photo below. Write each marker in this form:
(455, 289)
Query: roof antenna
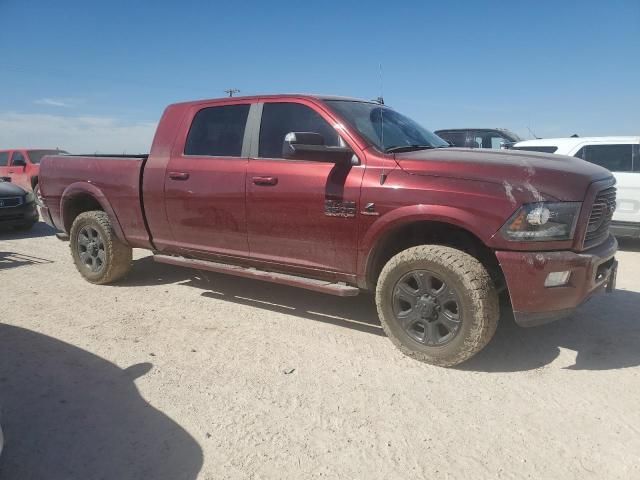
(231, 91)
(380, 100)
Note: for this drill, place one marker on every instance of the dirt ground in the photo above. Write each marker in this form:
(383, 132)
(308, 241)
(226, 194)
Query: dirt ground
(175, 374)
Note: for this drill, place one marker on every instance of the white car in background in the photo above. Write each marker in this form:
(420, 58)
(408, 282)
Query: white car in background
(620, 155)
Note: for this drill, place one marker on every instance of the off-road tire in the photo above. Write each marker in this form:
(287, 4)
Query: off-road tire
(474, 287)
(117, 255)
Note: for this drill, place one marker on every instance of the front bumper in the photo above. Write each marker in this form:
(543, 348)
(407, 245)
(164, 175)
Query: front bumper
(18, 216)
(526, 272)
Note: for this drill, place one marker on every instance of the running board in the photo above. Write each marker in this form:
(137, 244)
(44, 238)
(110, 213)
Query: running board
(339, 289)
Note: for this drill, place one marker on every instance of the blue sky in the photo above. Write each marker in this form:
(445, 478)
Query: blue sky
(96, 75)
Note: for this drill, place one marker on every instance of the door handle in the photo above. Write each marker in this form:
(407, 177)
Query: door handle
(265, 180)
(178, 175)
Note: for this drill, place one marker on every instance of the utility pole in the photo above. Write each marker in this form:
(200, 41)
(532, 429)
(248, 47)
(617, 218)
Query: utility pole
(231, 91)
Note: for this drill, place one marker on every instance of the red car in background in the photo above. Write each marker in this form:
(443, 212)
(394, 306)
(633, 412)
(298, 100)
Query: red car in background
(22, 165)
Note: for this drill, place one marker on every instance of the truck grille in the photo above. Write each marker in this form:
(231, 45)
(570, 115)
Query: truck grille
(8, 202)
(603, 207)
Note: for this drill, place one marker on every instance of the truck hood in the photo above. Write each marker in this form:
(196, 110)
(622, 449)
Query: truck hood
(531, 176)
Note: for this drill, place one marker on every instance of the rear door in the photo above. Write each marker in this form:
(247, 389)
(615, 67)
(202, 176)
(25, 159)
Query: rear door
(623, 161)
(301, 212)
(18, 170)
(205, 181)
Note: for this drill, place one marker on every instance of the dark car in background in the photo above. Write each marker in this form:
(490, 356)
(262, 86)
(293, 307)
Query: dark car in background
(496, 138)
(17, 207)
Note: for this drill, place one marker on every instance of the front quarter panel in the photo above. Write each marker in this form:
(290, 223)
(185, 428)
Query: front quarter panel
(478, 207)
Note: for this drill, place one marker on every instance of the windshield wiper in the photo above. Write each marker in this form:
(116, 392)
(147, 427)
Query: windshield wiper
(407, 148)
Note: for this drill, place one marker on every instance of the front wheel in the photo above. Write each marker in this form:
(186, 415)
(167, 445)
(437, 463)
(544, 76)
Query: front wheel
(437, 304)
(99, 255)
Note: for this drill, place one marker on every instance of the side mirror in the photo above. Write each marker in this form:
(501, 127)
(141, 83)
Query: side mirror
(19, 163)
(311, 146)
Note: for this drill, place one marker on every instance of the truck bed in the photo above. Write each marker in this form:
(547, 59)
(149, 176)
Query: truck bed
(114, 180)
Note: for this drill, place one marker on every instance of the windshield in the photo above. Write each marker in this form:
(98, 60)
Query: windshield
(385, 128)
(36, 155)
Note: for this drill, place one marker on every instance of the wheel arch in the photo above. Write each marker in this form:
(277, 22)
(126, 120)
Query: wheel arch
(82, 197)
(420, 225)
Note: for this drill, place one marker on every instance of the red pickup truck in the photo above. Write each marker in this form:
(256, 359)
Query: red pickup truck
(21, 166)
(340, 195)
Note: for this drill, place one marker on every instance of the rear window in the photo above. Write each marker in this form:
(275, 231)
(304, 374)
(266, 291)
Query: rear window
(535, 148)
(36, 155)
(218, 131)
(4, 159)
(615, 158)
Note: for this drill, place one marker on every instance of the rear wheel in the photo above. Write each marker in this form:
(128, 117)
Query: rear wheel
(437, 304)
(99, 255)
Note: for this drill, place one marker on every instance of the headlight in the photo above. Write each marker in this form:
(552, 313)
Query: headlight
(29, 197)
(544, 221)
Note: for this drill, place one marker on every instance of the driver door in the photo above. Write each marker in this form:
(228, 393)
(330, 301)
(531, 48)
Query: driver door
(301, 212)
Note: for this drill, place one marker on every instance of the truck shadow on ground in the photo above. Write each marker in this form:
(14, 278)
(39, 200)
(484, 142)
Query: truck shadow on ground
(68, 414)
(40, 229)
(358, 313)
(605, 332)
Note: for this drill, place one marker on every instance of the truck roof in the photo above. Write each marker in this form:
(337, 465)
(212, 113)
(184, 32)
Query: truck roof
(277, 96)
(29, 149)
(571, 141)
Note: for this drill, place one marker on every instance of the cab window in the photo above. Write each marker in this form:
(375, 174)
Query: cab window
(615, 158)
(18, 157)
(218, 131)
(278, 119)
(4, 159)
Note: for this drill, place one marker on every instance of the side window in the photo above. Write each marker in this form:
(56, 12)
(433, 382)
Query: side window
(4, 159)
(487, 140)
(17, 156)
(218, 131)
(616, 158)
(498, 142)
(278, 119)
(456, 138)
(636, 158)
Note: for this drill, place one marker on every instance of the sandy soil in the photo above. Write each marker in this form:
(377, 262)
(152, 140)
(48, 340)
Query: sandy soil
(174, 374)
